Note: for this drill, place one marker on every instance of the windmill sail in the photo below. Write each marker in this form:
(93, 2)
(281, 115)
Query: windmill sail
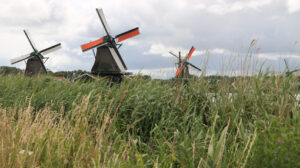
(117, 57)
(194, 66)
(103, 21)
(50, 49)
(30, 39)
(128, 34)
(286, 64)
(19, 59)
(179, 70)
(288, 72)
(191, 52)
(94, 44)
(174, 54)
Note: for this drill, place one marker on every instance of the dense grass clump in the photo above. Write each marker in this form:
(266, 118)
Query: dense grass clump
(240, 122)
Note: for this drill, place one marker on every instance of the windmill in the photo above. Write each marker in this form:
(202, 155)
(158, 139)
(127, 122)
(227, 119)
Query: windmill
(108, 60)
(35, 63)
(288, 72)
(183, 69)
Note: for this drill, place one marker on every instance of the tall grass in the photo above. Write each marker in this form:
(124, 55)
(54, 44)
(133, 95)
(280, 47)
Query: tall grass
(226, 123)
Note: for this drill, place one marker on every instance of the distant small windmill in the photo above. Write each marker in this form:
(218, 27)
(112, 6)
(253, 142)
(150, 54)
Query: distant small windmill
(288, 72)
(183, 69)
(35, 63)
(108, 60)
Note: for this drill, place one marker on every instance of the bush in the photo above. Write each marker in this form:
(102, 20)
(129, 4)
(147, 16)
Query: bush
(277, 146)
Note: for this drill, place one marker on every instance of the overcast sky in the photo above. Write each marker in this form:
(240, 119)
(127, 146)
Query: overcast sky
(220, 30)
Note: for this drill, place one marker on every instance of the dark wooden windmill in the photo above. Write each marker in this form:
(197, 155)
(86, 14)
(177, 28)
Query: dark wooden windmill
(108, 60)
(183, 64)
(35, 63)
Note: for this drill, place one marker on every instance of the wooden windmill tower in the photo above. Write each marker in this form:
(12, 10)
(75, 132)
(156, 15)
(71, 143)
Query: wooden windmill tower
(183, 64)
(108, 60)
(35, 63)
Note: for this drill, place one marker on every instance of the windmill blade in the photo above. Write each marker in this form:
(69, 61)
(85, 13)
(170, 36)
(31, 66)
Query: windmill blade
(19, 59)
(188, 56)
(40, 59)
(51, 49)
(179, 70)
(194, 66)
(291, 72)
(98, 43)
(294, 71)
(94, 53)
(173, 54)
(30, 39)
(103, 21)
(191, 52)
(118, 59)
(286, 64)
(128, 34)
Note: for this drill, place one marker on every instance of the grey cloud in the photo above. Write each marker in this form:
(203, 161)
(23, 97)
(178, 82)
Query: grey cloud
(172, 23)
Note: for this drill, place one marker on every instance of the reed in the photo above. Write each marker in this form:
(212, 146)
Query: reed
(232, 122)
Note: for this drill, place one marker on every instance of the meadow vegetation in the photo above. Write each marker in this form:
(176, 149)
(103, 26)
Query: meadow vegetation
(240, 122)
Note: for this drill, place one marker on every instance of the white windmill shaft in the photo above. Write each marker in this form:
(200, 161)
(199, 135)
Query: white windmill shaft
(117, 59)
(174, 54)
(103, 20)
(30, 40)
(193, 66)
(51, 49)
(19, 59)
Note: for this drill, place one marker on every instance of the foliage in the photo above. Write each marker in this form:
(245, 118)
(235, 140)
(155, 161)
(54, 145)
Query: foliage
(149, 123)
(278, 146)
(5, 70)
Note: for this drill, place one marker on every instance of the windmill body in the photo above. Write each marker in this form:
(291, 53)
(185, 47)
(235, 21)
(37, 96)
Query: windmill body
(184, 69)
(183, 64)
(185, 72)
(108, 60)
(35, 60)
(34, 66)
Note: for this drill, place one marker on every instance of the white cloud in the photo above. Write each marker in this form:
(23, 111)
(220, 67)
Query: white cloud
(60, 61)
(293, 5)
(276, 56)
(76, 51)
(220, 51)
(133, 42)
(163, 73)
(215, 27)
(22, 11)
(199, 6)
(163, 50)
(224, 7)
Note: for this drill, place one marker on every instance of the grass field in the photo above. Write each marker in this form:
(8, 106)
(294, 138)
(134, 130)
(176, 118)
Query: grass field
(245, 122)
